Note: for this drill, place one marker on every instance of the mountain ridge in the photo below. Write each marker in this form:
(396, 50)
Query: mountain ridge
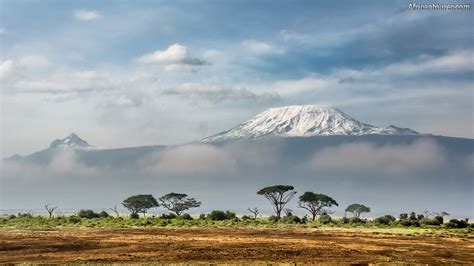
(303, 121)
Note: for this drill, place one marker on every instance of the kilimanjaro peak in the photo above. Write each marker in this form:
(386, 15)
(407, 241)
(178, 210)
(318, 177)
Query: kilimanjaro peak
(303, 121)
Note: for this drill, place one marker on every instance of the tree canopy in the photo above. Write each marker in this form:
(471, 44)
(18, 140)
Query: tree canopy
(140, 203)
(316, 204)
(278, 195)
(356, 209)
(178, 202)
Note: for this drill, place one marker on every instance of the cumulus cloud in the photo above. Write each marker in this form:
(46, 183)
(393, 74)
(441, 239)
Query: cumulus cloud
(365, 158)
(86, 15)
(191, 160)
(174, 56)
(216, 94)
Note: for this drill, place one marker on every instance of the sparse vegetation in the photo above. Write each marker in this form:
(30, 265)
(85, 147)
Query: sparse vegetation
(279, 196)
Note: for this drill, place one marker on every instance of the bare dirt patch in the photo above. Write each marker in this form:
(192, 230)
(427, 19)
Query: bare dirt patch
(229, 245)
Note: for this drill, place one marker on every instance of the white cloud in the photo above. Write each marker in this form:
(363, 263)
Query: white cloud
(218, 94)
(6, 68)
(174, 57)
(191, 159)
(455, 61)
(33, 61)
(86, 15)
(258, 47)
(365, 158)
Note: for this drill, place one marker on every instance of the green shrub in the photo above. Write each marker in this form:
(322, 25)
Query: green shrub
(273, 219)
(455, 223)
(245, 217)
(291, 219)
(385, 220)
(134, 216)
(88, 214)
(345, 220)
(202, 216)
(440, 219)
(230, 215)
(217, 215)
(325, 219)
(409, 223)
(73, 219)
(169, 216)
(103, 214)
(186, 216)
(429, 221)
(356, 220)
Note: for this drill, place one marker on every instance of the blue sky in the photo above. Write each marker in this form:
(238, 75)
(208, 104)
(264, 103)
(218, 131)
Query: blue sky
(126, 73)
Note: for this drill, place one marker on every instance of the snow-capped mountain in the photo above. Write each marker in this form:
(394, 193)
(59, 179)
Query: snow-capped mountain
(303, 121)
(71, 141)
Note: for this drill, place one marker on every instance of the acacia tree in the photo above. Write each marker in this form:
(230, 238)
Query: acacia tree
(254, 211)
(278, 195)
(178, 202)
(140, 203)
(356, 209)
(50, 209)
(316, 204)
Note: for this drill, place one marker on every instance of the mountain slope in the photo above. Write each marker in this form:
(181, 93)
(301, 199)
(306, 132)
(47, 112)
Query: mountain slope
(303, 121)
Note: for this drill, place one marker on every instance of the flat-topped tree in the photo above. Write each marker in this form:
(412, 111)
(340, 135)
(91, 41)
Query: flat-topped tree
(316, 204)
(178, 202)
(356, 209)
(278, 195)
(140, 203)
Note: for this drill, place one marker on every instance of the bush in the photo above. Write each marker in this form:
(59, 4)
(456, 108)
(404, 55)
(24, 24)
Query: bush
(356, 220)
(291, 219)
(73, 219)
(168, 216)
(202, 216)
(245, 217)
(11, 216)
(88, 214)
(428, 221)
(440, 219)
(103, 214)
(217, 215)
(325, 219)
(273, 219)
(409, 223)
(345, 220)
(134, 216)
(385, 220)
(24, 215)
(455, 223)
(186, 216)
(230, 215)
